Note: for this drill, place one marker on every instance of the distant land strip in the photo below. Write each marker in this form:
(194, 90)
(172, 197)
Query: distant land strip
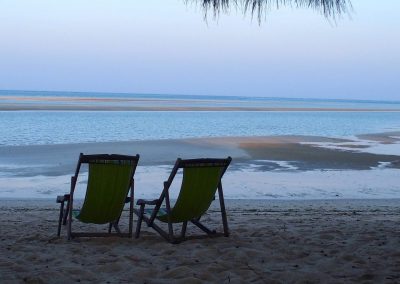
(65, 107)
(47, 103)
(91, 99)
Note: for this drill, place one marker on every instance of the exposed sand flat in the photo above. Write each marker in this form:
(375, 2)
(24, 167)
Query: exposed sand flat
(61, 159)
(310, 157)
(271, 242)
(305, 152)
(262, 140)
(385, 138)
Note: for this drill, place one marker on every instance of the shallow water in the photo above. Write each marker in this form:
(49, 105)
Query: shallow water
(63, 127)
(69, 127)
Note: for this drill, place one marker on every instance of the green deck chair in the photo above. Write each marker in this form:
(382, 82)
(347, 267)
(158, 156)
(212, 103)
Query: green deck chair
(110, 179)
(201, 180)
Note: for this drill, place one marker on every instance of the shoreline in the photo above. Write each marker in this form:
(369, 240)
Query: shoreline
(247, 184)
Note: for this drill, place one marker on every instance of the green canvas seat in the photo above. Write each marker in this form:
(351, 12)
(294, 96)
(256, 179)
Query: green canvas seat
(110, 179)
(201, 180)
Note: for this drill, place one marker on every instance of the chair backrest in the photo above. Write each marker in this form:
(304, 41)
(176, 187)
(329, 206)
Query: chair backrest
(201, 178)
(109, 180)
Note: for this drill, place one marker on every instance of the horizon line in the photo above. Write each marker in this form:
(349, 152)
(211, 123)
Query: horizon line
(204, 95)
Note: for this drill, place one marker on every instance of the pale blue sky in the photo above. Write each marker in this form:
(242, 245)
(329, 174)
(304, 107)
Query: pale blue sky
(164, 46)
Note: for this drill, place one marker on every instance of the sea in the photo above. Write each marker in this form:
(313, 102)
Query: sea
(29, 124)
(44, 127)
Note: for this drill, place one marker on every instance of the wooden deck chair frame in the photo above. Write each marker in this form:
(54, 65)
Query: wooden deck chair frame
(66, 216)
(169, 236)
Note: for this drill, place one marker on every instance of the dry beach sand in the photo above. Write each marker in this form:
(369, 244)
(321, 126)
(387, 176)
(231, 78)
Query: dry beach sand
(341, 241)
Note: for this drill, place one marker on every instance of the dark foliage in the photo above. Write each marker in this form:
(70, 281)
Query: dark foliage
(329, 8)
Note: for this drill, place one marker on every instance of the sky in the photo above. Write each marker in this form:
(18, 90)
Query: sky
(166, 47)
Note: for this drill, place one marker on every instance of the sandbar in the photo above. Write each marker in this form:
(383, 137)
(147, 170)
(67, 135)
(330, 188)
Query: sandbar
(48, 103)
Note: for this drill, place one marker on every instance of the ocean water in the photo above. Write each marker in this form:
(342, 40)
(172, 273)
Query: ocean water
(69, 127)
(64, 127)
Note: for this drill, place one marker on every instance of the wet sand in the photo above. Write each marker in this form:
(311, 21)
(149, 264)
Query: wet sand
(385, 138)
(342, 241)
(286, 167)
(308, 157)
(303, 152)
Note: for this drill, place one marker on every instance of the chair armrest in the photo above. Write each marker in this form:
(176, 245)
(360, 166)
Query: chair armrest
(63, 198)
(147, 202)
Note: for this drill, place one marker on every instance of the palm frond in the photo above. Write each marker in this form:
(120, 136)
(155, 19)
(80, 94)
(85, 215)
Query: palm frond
(329, 8)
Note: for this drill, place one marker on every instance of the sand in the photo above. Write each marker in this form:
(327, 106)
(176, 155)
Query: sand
(35, 103)
(327, 241)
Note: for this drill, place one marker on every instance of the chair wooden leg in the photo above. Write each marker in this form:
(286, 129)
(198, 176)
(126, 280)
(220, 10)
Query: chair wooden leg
(170, 226)
(164, 234)
(69, 226)
(66, 212)
(115, 224)
(223, 210)
(184, 226)
(69, 209)
(116, 227)
(171, 232)
(60, 218)
(131, 210)
(139, 221)
(202, 227)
